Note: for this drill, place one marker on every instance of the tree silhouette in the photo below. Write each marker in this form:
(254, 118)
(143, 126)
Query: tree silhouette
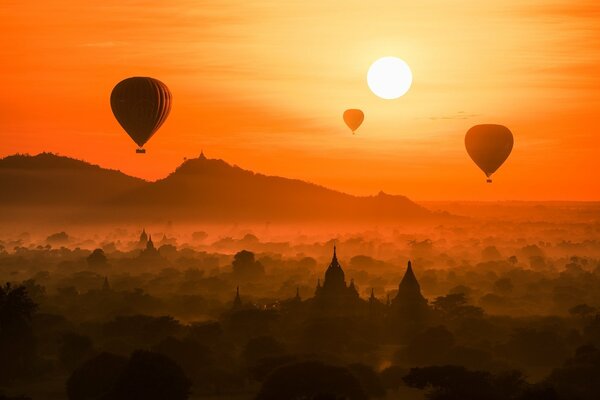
(311, 380)
(392, 377)
(74, 349)
(582, 310)
(427, 348)
(246, 267)
(452, 382)
(578, 377)
(536, 347)
(151, 376)
(97, 258)
(369, 379)
(455, 306)
(261, 347)
(193, 357)
(266, 365)
(96, 378)
(16, 335)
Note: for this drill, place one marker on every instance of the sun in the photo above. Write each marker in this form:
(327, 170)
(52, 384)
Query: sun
(389, 78)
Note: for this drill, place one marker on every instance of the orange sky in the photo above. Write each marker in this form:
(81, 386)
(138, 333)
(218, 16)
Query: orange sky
(263, 84)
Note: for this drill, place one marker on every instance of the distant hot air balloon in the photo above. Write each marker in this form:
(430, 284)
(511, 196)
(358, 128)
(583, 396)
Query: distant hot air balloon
(489, 146)
(141, 105)
(353, 118)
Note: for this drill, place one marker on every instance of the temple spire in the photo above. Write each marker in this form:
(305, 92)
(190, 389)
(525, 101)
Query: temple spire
(237, 301)
(410, 280)
(143, 237)
(149, 243)
(105, 285)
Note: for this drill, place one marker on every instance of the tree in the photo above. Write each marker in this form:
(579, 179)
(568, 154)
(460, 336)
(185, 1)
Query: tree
(261, 347)
(199, 236)
(194, 357)
(369, 379)
(535, 347)
(74, 349)
(578, 377)
(96, 378)
(97, 258)
(264, 366)
(455, 305)
(503, 286)
(582, 310)
(16, 335)
(451, 382)
(58, 238)
(429, 347)
(35, 291)
(449, 303)
(392, 377)
(311, 380)
(246, 267)
(144, 330)
(490, 253)
(151, 376)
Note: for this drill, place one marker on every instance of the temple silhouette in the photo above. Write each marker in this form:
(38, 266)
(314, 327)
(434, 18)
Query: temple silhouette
(406, 312)
(335, 296)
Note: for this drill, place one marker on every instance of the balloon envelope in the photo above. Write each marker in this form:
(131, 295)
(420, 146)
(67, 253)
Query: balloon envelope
(489, 146)
(353, 118)
(141, 105)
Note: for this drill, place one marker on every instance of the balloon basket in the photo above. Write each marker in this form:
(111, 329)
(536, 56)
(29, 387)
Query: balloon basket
(489, 180)
(140, 151)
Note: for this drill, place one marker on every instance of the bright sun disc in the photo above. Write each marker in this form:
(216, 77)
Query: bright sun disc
(389, 78)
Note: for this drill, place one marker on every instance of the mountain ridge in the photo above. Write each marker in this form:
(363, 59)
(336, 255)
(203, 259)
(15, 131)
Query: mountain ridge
(198, 189)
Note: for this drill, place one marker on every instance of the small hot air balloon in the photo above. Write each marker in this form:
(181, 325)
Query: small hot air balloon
(489, 146)
(353, 118)
(141, 105)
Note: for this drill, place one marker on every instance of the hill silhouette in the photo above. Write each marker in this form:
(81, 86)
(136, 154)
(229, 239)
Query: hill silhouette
(200, 189)
(48, 179)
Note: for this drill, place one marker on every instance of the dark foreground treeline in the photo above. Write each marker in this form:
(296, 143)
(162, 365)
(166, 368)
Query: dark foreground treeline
(271, 354)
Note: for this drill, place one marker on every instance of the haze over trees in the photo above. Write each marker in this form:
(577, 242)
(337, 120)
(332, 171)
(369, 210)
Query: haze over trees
(114, 312)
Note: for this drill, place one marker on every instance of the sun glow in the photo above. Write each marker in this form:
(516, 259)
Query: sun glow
(389, 78)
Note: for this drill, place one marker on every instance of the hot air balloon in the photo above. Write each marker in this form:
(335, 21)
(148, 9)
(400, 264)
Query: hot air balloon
(353, 118)
(141, 105)
(489, 146)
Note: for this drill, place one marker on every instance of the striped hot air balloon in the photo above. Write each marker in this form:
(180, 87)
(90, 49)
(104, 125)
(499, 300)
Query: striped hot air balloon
(141, 105)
